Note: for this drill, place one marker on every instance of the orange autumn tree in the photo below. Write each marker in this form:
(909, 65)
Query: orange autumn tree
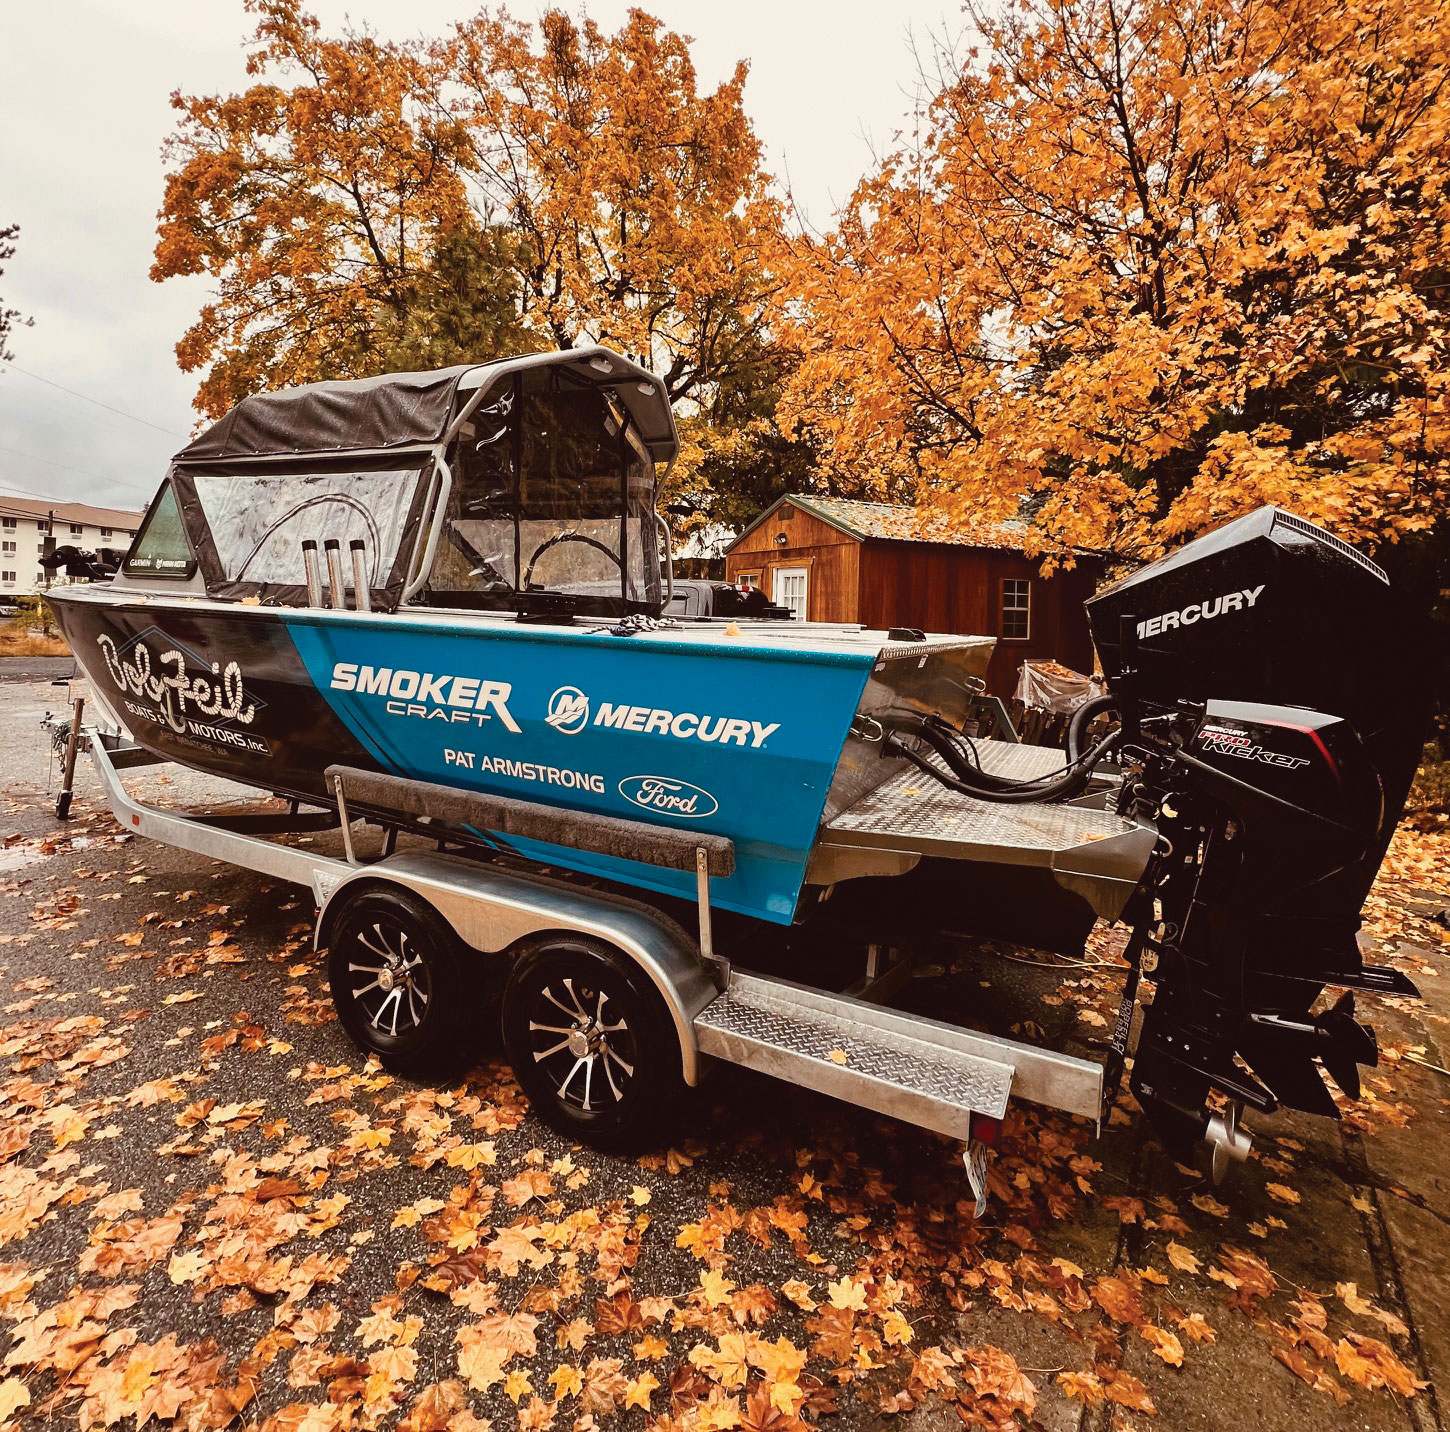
(327, 205)
(642, 202)
(368, 206)
(1145, 267)
(645, 216)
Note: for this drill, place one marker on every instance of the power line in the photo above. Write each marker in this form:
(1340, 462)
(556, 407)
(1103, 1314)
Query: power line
(84, 471)
(12, 488)
(86, 397)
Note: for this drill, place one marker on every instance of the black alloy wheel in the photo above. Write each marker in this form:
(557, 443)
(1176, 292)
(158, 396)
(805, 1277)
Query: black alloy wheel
(400, 981)
(591, 1042)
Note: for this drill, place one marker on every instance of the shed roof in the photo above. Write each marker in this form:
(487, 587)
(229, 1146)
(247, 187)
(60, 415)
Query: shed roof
(899, 522)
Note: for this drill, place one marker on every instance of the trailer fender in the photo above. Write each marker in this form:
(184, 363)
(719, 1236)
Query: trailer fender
(493, 911)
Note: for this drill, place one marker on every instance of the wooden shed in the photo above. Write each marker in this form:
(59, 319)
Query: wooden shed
(833, 559)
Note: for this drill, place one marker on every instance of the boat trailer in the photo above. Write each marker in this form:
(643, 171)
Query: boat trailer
(850, 1045)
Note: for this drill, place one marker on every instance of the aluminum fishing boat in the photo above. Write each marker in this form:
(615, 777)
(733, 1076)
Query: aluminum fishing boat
(496, 561)
(440, 603)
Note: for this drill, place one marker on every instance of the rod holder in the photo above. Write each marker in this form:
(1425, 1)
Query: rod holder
(333, 550)
(362, 597)
(313, 571)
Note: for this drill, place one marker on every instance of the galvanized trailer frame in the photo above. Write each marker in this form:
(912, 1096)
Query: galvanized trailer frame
(936, 1075)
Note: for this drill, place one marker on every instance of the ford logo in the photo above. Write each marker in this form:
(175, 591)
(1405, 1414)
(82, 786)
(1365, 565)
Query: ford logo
(665, 796)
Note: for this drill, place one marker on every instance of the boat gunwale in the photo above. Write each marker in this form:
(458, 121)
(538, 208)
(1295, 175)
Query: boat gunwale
(839, 646)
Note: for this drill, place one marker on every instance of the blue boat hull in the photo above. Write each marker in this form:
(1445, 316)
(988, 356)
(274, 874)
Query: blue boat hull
(723, 733)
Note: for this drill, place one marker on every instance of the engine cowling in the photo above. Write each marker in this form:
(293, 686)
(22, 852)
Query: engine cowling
(1274, 716)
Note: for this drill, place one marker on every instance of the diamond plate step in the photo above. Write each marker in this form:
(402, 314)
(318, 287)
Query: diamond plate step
(893, 1063)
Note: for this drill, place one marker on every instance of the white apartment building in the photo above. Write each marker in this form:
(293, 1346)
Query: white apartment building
(25, 523)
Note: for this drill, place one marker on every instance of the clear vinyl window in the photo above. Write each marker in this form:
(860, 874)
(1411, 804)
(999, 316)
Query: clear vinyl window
(259, 520)
(553, 492)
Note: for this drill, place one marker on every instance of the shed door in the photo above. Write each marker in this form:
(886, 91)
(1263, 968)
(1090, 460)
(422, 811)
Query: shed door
(790, 590)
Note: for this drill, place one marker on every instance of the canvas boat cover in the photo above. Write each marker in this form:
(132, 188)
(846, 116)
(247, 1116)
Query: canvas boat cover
(354, 461)
(410, 410)
(390, 411)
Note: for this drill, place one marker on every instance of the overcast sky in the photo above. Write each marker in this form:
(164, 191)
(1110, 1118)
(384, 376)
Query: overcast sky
(85, 89)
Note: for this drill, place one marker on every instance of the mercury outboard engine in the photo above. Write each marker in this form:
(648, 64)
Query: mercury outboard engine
(1272, 724)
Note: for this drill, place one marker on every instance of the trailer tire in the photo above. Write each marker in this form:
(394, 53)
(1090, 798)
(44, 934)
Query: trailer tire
(591, 1043)
(402, 983)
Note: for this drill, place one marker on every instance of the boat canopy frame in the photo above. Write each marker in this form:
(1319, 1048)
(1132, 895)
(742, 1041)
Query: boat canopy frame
(393, 433)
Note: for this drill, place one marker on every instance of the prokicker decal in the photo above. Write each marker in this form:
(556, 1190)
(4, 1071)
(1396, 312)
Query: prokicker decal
(1201, 611)
(429, 695)
(664, 796)
(1222, 741)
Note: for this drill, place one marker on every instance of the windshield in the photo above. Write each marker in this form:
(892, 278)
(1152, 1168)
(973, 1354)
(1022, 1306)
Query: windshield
(247, 522)
(161, 548)
(553, 492)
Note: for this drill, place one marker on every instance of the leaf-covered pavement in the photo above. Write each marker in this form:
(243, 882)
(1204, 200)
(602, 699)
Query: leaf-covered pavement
(214, 1213)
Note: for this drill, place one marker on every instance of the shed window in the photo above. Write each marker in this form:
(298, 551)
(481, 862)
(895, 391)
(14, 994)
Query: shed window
(790, 590)
(1016, 608)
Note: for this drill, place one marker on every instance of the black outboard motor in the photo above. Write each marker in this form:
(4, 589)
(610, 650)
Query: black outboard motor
(1273, 722)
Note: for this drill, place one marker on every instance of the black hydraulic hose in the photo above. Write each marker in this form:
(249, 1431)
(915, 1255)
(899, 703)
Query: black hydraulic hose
(959, 756)
(1068, 782)
(949, 744)
(1082, 718)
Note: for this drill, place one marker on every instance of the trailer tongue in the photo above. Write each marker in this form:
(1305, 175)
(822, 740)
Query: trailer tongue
(644, 827)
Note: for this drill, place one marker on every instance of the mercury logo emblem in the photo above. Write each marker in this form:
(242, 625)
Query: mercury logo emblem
(1240, 601)
(568, 710)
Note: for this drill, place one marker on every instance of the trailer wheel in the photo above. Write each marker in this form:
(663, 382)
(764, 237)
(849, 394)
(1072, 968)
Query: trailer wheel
(591, 1043)
(400, 981)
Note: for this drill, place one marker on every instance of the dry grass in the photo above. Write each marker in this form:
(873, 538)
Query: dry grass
(30, 643)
